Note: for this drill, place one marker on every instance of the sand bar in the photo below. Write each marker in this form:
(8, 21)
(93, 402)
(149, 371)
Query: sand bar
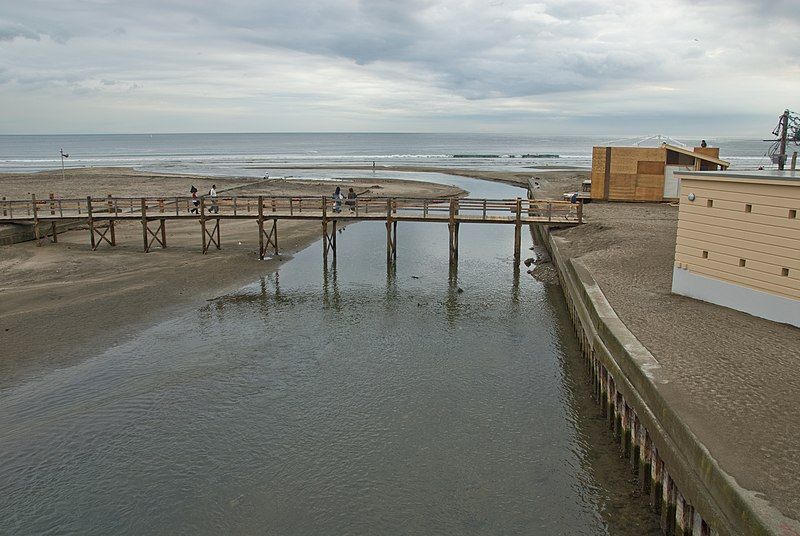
(60, 303)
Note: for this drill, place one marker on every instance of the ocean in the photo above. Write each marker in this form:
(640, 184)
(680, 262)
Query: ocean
(249, 154)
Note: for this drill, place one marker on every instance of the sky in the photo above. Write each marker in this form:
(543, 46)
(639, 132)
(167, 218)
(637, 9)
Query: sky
(711, 68)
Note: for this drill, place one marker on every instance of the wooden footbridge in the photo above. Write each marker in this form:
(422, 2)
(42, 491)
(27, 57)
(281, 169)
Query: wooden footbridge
(101, 215)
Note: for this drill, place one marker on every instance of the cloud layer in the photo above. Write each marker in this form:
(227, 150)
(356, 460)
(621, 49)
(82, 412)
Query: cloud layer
(418, 65)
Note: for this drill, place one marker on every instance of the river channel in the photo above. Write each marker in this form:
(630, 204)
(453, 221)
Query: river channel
(350, 399)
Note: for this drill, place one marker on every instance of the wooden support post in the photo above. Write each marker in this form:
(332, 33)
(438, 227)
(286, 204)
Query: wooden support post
(391, 241)
(35, 221)
(209, 237)
(794, 161)
(163, 232)
(101, 233)
(333, 233)
(328, 240)
(203, 221)
(580, 211)
(452, 227)
(390, 254)
(144, 224)
(91, 221)
(394, 240)
(54, 231)
(5, 212)
(260, 227)
(325, 243)
(517, 231)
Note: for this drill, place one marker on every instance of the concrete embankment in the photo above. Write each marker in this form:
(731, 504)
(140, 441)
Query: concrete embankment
(687, 487)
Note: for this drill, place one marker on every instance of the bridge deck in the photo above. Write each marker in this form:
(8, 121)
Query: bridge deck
(442, 210)
(101, 216)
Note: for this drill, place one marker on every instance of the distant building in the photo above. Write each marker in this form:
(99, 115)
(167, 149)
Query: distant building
(738, 242)
(647, 173)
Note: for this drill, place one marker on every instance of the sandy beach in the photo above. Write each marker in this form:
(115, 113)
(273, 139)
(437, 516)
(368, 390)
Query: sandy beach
(63, 302)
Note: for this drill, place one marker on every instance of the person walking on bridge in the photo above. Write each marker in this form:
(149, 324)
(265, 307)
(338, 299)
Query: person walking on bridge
(213, 194)
(195, 201)
(337, 200)
(351, 200)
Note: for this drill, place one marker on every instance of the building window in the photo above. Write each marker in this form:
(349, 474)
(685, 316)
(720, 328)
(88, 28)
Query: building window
(741, 263)
(705, 254)
(710, 203)
(785, 272)
(792, 214)
(748, 207)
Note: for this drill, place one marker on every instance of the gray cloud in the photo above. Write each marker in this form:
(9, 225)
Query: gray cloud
(422, 59)
(9, 32)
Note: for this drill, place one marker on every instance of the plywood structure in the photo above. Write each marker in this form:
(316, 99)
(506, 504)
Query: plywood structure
(743, 231)
(638, 173)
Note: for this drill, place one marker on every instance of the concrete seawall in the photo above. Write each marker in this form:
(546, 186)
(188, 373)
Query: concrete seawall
(687, 487)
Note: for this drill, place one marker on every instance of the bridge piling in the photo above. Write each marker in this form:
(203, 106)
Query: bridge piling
(452, 227)
(391, 233)
(517, 231)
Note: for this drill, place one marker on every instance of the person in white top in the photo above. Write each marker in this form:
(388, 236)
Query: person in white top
(213, 194)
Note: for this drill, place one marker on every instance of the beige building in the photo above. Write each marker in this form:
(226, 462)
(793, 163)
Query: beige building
(738, 242)
(647, 173)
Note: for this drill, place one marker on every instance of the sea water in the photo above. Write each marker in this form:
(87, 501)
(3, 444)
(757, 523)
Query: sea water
(249, 154)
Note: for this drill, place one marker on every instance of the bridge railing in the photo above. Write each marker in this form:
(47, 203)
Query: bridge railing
(312, 206)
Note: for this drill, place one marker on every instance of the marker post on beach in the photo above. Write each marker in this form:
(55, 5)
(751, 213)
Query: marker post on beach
(63, 156)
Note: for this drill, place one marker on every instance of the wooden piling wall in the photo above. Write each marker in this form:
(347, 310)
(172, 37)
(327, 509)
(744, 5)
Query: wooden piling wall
(688, 490)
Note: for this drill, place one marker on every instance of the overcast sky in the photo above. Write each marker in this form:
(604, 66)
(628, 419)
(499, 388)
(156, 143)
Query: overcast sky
(710, 68)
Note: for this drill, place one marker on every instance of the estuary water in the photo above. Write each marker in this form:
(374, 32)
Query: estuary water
(346, 399)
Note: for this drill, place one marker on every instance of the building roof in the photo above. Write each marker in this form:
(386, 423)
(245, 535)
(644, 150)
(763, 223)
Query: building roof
(701, 156)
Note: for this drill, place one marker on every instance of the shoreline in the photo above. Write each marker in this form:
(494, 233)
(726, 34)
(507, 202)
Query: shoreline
(61, 303)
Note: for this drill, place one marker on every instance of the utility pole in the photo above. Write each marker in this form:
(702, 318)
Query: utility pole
(784, 133)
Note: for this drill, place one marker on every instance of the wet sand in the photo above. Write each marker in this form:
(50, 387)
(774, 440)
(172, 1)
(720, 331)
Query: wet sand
(63, 302)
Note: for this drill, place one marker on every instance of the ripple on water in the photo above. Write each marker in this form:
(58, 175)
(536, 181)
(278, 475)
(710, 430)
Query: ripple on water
(339, 401)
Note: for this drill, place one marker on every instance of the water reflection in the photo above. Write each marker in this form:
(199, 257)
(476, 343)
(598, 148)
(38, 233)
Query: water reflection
(364, 399)
(330, 287)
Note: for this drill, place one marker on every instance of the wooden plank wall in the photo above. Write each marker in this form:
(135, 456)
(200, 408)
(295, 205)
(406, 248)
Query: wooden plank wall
(598, 172)
(708, 151)
(637, 173)
(716, 240)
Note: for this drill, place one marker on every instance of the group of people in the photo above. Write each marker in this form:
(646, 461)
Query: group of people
(212, 193)
(338, 197)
